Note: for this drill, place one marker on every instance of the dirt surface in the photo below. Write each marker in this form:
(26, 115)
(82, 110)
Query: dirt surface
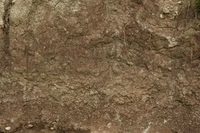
(99, 66)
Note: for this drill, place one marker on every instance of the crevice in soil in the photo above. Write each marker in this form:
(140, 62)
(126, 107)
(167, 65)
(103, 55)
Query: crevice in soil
(6, 27)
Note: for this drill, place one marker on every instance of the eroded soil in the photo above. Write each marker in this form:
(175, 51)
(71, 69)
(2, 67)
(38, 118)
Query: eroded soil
(99, 66)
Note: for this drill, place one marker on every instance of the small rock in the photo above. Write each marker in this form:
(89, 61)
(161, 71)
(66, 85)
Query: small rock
(12, 120)
(30, 125)
(52, 128)
(145, 98)
(109, 125)
(179, 2)
(7, 128)
(13, 1)
(166, 10)
(161, 16)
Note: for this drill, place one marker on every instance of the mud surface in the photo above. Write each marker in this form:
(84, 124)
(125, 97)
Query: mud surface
(99, 66)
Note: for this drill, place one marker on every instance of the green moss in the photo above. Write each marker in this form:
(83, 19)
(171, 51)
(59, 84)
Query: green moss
(197, 5)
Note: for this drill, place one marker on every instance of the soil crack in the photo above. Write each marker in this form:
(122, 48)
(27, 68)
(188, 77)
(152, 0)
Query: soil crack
(6, 26)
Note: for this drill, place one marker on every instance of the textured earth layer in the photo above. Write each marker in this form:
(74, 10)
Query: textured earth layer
(99, 66)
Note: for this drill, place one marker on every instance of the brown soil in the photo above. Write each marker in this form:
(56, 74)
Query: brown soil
(99, 66)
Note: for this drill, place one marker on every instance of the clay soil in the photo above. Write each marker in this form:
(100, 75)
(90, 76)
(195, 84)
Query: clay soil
(99, 66)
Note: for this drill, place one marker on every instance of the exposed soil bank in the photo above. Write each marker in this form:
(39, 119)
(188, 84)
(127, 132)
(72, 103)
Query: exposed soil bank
(99, 66)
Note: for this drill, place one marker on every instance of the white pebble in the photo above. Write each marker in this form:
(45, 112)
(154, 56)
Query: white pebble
(109, 125)
(179, 2)
(30, 125)
(161, 16)
(8, 128)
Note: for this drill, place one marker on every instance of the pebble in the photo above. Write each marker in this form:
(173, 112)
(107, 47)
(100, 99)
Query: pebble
(12, 120)
(179, 2)
(166, 10)
(109, 125)
(161, 16)
(7, 128)
(30, 125)
(13, 1)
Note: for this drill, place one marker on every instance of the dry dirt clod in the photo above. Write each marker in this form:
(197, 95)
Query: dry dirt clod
(2, 122)
(43, 75)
